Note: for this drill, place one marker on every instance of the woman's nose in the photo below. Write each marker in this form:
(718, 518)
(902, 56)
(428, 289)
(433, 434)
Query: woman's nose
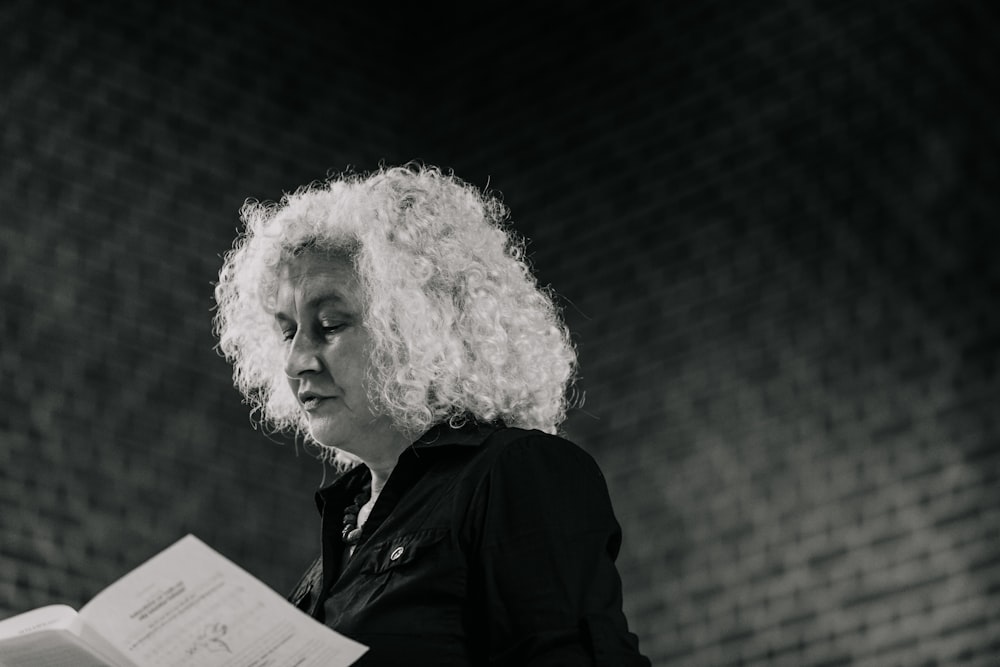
(302, 356)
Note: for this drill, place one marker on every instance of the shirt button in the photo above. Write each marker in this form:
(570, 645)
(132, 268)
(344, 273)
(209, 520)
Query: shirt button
(396, 553)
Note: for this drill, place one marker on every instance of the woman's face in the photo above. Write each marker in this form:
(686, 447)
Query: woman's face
(319, 312)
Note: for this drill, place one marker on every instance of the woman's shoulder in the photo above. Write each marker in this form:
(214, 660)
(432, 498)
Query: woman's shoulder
(526, 453)
(523, 485)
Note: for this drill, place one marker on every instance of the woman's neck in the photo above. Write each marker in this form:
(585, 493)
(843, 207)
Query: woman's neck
(379, 477)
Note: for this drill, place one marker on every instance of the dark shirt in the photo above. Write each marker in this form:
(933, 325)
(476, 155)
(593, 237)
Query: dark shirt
(487, 546)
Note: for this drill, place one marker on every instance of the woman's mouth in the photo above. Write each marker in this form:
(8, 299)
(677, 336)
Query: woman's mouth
(312, 401)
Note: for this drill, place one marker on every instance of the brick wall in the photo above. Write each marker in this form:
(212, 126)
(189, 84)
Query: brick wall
(772, 227)
(130, 139)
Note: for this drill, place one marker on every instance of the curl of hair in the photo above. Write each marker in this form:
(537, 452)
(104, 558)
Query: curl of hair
(459, 327)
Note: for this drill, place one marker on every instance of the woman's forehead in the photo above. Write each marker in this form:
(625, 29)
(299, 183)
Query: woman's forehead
(316, 276)
(308, 264)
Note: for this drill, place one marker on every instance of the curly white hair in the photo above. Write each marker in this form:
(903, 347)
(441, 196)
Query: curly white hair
(459, 327)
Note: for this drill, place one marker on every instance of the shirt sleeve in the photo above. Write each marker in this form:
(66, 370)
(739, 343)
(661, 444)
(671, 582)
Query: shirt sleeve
(545, 570)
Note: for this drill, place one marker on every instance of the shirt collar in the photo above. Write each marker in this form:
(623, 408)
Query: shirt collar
(438, 441)
(470, 434)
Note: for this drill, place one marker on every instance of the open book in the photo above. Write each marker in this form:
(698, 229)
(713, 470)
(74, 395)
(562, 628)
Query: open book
(188, 605)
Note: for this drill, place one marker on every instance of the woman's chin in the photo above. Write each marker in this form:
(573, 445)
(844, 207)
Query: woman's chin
(325, 438)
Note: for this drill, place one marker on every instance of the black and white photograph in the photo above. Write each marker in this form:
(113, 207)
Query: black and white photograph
(516, 334)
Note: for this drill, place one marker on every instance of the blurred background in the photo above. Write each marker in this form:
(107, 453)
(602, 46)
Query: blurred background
(772, 227)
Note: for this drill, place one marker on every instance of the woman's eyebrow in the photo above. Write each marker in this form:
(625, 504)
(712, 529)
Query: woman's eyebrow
(331, 298)
(314, 303)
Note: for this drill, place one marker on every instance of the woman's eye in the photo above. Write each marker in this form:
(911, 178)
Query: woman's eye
(287, 334)
(332, 328)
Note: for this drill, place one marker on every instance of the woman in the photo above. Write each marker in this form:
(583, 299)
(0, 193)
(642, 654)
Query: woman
(392, 320)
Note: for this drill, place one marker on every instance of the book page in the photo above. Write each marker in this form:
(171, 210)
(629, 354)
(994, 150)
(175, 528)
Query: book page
(52, 616)
(189, 605)
(51, 637)
(51, 648)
